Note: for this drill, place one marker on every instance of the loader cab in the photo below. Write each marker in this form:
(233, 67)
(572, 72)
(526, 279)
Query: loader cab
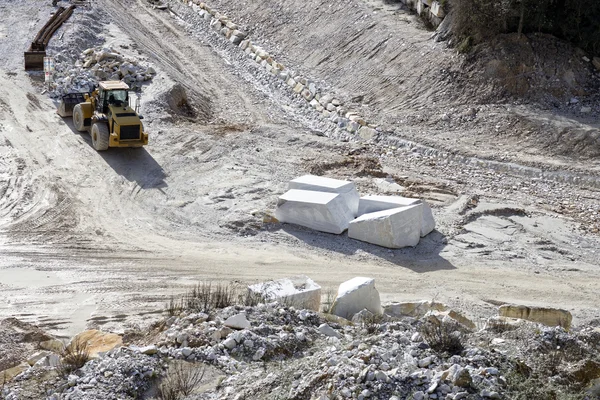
(112, 93)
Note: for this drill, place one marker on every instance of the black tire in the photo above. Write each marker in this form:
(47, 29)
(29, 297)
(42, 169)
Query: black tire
(100, 136)
(78, 119)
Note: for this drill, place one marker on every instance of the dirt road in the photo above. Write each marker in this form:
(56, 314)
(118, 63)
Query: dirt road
(104, 239)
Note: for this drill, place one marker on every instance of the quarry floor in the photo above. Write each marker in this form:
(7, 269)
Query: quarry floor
(103, 240)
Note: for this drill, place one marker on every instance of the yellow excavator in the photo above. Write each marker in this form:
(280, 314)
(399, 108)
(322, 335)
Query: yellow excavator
(107, 115)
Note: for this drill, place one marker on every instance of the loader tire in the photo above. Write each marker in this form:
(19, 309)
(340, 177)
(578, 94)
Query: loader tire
(100, 136)
(78, 119)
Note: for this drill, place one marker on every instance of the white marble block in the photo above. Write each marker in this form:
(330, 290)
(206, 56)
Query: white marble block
(369, 204)
(322, 184)
(321, 211)
(395, 228)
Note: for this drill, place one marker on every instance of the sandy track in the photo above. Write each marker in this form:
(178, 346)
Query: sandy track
(102, 239)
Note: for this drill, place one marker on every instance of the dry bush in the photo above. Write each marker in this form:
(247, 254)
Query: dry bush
(74, 356)
(249, 298)
(442, 336)
(330, 295)
(372, 322)
(499, 326)
(182, 380)
(174, 306)
(205, 297)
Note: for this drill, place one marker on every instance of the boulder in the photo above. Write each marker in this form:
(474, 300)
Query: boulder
(54, 345)
(367, 133)
(96, 342)
(458, 376)
(148, 350)
(355, 295)
(321, 211)
(437, 9)
(416, 309)
(244, 44)
(542, 315)
(235, 39)
(329, 331)
(307, 94)
(396, 228)
(31, 360)
(51, 360)
(329, 185)
(451, 315)
(8, 374)
(298, 291)
(369, 204)
(596, 62)
(238, 321)
(502, 324)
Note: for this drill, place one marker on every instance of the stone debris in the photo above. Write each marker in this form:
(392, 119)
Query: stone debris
(542, 315)
(238, 321)
(95, 65)
(372, 203)
(329, 185)
(321, 211)
(395, 228)
(355, 295)
(285, 352)
(329, 331)
(298, 291)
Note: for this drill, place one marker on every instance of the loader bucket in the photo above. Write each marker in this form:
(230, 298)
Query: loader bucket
(68, 101)
(34, 60)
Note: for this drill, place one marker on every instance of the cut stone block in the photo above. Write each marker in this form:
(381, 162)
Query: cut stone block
(329, 185)
(321, 211)
(542, 315)
(416, 309)
(356, 295)
(298, 291)
(369, 204)
(394, 229)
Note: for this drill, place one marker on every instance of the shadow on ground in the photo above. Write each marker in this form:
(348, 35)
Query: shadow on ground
(425, 257)
(135, 165)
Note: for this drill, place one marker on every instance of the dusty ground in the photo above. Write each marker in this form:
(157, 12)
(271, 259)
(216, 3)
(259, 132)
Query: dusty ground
(104, 239)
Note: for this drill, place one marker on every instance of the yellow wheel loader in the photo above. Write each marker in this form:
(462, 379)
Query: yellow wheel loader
(107, 115)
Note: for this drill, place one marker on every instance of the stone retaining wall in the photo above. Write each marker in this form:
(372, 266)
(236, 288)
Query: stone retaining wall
(429, 9)
(325, 104)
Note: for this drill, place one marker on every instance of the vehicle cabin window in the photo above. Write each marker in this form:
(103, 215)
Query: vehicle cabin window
(118, 97)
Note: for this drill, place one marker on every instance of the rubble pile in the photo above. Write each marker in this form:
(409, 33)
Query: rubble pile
(274, 351)
(99, 64)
